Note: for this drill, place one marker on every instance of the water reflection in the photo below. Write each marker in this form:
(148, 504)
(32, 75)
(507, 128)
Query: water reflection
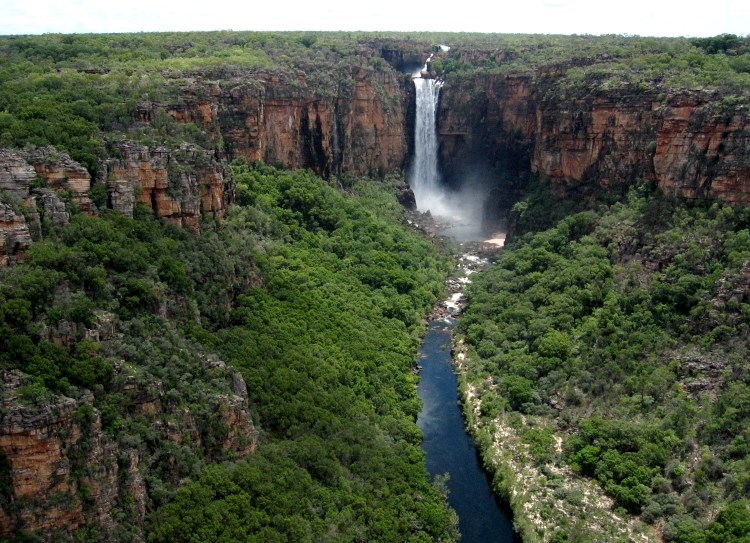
(450, 449)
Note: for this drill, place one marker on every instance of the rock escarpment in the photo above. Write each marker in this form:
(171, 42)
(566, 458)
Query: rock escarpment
(15, 237)
(691, 144)
(357, 124)
(179, 185)
(61, 471)
(25, 201)
(59, 172)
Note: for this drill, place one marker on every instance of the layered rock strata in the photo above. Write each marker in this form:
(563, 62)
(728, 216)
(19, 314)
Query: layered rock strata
(358, 125)
(60, 172)
(690, 143)
(179, 185)
(63, 472)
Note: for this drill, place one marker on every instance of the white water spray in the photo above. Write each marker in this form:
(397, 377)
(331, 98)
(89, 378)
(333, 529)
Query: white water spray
(463, 210)
(425, 178)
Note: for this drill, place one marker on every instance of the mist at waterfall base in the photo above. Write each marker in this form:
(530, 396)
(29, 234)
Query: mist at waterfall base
(463, 209)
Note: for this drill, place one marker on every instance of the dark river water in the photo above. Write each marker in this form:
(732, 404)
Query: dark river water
(450, 449)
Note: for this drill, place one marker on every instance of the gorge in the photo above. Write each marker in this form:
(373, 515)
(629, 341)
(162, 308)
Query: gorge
(451, 454)
(175, 356)
(494, 131)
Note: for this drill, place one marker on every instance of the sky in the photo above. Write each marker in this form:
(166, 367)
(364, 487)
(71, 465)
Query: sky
(637, 17)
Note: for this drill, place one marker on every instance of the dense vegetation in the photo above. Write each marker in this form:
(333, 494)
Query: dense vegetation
(622, 330)
(625, 332)
(315, 295)
(585, 64)
(77, 91)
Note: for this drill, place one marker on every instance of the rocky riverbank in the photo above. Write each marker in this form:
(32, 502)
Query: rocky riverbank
(545, 498)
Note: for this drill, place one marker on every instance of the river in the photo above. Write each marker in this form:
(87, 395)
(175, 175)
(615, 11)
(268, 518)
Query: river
(450, 449)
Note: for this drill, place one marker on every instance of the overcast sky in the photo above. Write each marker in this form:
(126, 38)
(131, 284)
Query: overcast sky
(642, 17)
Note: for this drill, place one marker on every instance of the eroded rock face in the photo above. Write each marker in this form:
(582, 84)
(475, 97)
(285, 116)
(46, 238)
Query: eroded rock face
(703, 149)
(16, 175)
(178, 185)
(64, 472)
(60, 172)
(38, 441)
(23, 205)
(689, 143)
(15, 237)
(358, 127)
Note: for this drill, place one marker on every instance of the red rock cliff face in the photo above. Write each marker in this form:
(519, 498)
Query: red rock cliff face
(179, 185)
(687, 142)
(358, 126)
(23, 205)
(60, 172)
(64, 472)
(703, 150)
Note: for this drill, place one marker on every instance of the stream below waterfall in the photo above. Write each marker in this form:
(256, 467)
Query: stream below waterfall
(450, 449)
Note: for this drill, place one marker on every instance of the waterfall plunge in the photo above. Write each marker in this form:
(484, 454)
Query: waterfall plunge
(463, 209)
(425, 178)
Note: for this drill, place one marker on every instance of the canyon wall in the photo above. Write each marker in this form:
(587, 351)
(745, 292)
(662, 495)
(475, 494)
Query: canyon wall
(692, 144)
(180, 185)
(357, 125)
(60, 471)
(39, 185)
(502, 127)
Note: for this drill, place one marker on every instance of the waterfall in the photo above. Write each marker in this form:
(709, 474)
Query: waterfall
(463, 208)
(425, 177)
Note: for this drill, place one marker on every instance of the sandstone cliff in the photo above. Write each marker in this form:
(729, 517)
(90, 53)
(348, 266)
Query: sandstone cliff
(24, 204)
(63, 472)
(179, 185)
(356, 124)
(691, 143)
(60, 172)
(15, 237)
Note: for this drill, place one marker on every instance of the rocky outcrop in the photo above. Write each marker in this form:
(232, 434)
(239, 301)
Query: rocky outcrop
(703, 148)
(179, 185)
(15, 237)
(37, 441)
(30, 185)
(52, 208)
(406, 197)
(63, 472)
(23, 205)
(60, 172)
(16, 175)
(691, 144)
(403, 55)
